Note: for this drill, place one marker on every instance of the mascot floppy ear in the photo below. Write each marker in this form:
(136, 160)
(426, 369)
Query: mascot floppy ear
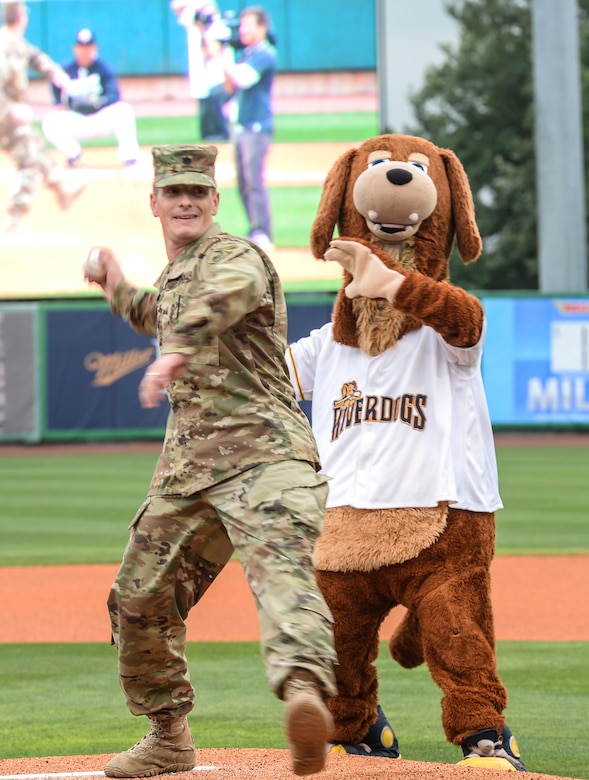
(468, 238)
(333, 200)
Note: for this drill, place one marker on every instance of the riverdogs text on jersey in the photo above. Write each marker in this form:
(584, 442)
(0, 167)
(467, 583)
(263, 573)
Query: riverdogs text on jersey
(354, 408)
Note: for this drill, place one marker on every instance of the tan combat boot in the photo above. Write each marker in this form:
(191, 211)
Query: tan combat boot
(308, 722)
(67, 192)
(167, 748)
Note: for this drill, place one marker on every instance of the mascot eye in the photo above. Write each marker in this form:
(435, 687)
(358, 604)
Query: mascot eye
(420, 165)
(372, 163)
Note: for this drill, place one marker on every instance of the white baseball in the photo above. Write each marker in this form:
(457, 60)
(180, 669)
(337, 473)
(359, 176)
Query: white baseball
(93, 267)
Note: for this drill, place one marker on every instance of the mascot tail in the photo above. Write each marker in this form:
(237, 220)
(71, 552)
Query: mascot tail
(406, 643)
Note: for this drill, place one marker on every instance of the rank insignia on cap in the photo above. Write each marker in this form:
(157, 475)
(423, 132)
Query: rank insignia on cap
(184, 164)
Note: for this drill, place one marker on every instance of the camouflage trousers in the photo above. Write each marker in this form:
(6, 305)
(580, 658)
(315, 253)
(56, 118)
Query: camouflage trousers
(33, 163)
(271, 516)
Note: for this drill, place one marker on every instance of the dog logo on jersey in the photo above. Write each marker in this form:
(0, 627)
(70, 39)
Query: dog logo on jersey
(354, 408)
(350, 393)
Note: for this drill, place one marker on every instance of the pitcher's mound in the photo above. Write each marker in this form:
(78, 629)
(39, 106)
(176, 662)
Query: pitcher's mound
(228, 764)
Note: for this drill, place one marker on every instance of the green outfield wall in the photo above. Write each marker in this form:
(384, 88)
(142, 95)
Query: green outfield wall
(143, 37)
(70, 370)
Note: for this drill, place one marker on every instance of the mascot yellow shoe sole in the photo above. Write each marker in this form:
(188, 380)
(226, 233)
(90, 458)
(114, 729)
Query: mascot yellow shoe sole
(488, 762)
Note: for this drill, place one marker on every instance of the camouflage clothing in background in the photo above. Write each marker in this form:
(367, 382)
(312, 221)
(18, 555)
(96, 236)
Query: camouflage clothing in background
(238, 471)
(22, 142)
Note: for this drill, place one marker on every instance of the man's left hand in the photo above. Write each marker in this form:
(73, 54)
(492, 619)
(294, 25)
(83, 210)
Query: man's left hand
(158, 376)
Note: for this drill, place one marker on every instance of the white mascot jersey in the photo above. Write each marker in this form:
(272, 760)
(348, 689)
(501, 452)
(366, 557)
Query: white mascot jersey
(407, 428)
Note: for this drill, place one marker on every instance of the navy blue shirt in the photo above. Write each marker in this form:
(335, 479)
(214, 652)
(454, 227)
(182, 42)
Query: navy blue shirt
(254, 103)
(91, 89)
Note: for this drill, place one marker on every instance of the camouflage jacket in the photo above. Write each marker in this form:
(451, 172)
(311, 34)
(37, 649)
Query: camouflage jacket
(17, 56)
(221, 304)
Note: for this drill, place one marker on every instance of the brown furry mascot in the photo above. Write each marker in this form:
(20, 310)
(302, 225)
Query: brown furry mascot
(401, 420)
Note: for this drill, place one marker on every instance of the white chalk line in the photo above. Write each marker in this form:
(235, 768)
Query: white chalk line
(50, 775)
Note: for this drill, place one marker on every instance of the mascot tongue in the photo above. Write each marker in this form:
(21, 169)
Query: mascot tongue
(380, 228)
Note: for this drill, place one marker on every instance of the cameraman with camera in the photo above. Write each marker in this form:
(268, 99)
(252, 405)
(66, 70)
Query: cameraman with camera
(207, 34)
(251, 76)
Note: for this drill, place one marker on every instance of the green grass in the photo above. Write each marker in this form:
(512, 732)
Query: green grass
(545, 497)
(347, 127)
(68, 697)
(70, 509)
(290, 128)
(65, 700)
(293, 212)
(64, 509)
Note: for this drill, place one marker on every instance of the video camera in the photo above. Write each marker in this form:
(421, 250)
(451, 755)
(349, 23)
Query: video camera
(228, 27)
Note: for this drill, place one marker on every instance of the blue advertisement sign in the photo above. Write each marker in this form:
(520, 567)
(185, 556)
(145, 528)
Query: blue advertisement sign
(305, 313)
(95, 361)
(94, 364)
(536, 360)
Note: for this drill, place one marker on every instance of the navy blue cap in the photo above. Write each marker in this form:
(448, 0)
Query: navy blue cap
(85, 37)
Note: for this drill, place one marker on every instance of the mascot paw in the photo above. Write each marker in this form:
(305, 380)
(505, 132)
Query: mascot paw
(347, 253)
(371, 277)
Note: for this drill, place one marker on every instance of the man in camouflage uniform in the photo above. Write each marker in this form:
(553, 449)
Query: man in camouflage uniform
(238, 471)
(17, 136)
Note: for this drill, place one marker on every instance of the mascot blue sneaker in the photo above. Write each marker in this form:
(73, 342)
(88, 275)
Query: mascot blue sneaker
(488, 749)
(380, 741)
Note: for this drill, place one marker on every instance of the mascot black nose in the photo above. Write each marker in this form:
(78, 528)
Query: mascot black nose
(399, 176)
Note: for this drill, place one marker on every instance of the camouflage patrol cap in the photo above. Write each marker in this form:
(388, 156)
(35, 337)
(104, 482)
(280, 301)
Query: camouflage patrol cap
(184, 164)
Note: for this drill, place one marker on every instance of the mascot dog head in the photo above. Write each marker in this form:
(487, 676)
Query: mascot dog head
(401, 194)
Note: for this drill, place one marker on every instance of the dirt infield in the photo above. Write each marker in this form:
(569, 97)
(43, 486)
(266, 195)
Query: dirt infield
(541, 598)
(269, 765)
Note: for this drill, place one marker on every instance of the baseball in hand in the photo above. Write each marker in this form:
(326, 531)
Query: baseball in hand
(94, 268)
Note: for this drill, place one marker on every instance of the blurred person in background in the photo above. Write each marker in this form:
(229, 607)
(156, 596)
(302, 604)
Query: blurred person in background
(90, 106)
(207, 35)
(18, 137)
(252, 76)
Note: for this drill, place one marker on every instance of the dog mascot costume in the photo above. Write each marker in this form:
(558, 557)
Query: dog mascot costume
(401, 420)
